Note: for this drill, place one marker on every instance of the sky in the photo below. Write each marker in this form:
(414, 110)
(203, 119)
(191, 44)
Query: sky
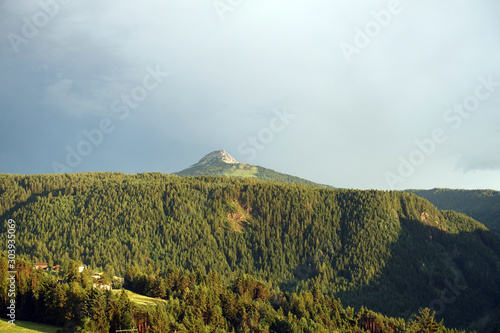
(354, 94)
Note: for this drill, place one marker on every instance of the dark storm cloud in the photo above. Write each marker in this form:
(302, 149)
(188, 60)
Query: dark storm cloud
(63, 71)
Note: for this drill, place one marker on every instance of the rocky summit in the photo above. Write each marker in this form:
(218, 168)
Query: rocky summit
(215, 156)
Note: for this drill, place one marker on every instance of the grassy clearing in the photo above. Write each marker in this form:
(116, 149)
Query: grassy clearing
(242, 170)
(238, 217)
(141, 299)
(26, 327)
(243, 174)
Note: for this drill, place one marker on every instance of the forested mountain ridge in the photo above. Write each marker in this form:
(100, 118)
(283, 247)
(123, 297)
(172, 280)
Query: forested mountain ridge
(482, 205)
(390, 251)
(220, 163)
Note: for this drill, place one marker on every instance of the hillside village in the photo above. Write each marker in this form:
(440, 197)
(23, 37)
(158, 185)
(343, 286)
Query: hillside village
(101, 281)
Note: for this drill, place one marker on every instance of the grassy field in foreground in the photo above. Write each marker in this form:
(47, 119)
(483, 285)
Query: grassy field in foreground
(29, 327)
(26, 327)
(142, 300)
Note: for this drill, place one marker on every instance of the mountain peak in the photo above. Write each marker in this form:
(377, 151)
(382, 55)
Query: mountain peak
(215, 156)
(210, 165)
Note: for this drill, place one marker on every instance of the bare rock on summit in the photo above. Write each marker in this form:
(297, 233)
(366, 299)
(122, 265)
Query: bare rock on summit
(218, 155)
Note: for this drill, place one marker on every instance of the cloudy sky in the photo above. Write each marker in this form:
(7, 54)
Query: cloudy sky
(356, 94)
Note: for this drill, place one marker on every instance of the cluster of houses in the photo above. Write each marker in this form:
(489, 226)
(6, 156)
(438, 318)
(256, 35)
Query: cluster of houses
(96, 276)
(44, 266)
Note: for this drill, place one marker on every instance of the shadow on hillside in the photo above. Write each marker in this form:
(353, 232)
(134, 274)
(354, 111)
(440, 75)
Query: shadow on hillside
(456, 275)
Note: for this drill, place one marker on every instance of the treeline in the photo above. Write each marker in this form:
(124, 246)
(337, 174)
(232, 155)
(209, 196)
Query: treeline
(194, 302)
(392, 252)
(271, 175)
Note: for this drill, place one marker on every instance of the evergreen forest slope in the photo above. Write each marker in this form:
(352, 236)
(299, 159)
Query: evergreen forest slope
(482, 205)
(392, 252)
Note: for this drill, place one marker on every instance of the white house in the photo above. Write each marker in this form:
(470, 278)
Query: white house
(102, 286)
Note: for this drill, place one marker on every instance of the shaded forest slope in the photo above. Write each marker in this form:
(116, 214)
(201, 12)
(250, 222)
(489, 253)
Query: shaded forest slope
(482, 205)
